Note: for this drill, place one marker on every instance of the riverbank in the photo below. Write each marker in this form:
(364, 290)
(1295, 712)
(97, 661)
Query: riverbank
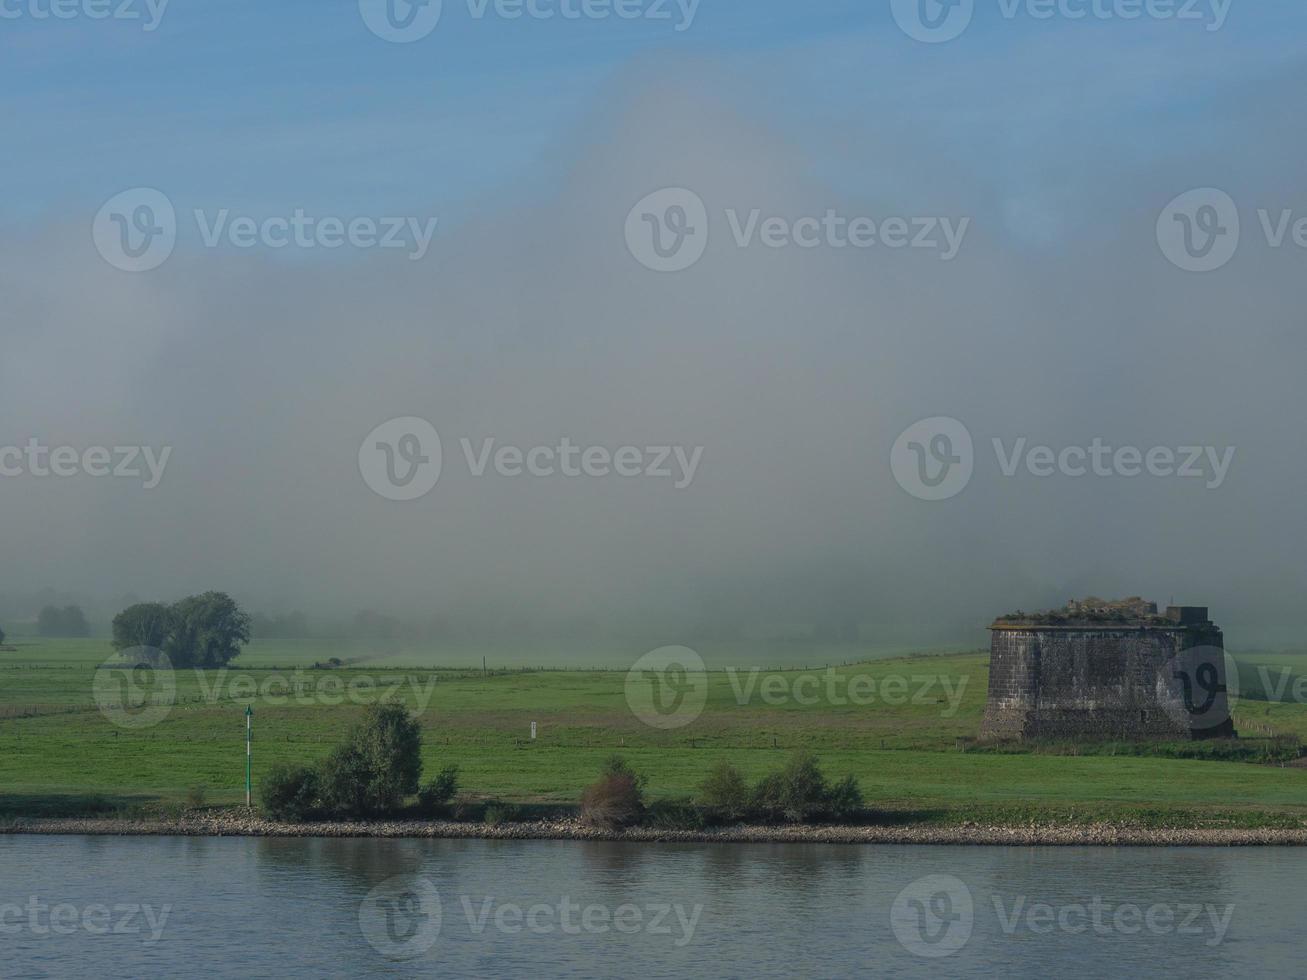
(237, 824)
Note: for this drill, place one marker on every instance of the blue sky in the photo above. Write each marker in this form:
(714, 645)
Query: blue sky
(1061, 141)
(252, 104)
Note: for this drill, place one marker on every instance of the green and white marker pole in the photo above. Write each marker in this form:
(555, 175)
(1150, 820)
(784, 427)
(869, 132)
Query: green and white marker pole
(249, 734)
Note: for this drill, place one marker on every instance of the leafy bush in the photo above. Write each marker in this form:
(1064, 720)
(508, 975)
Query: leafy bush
(377, 767)
(845, 800)
(725, 793)
(290, 792)
(795, 794)
(616, 800)
(435, 795)
(799, 793)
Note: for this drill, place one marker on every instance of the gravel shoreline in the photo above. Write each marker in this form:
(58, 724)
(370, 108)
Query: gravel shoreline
(238, 825)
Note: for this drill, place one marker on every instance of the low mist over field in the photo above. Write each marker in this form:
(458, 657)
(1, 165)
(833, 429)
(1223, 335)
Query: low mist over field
(1059, 322)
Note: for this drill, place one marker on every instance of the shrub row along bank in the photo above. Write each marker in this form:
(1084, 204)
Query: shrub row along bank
(798, 794)
(378, 768)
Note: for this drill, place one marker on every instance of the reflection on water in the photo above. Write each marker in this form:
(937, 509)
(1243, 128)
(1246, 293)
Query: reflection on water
(132, 907)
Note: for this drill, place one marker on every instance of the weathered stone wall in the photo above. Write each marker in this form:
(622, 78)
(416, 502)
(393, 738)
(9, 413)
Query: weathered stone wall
(1106, 683)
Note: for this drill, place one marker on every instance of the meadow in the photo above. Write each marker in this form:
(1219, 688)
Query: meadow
(903, 725)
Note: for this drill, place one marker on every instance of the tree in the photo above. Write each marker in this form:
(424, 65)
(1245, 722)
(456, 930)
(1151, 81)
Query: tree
(206, 631)
(290, 792)
(200, 631)
(146, 624)
(435, 795)
(725, 792)
(68, 621)
(378, 765)
(2, 636)
(616, 800)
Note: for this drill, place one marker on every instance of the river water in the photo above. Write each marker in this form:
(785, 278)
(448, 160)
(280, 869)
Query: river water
(242, 907)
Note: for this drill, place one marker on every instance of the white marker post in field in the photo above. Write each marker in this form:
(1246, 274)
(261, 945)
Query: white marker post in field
(533, 731)
(249, 735)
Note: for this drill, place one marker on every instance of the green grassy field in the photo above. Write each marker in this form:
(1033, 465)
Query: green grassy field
(906, 741)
